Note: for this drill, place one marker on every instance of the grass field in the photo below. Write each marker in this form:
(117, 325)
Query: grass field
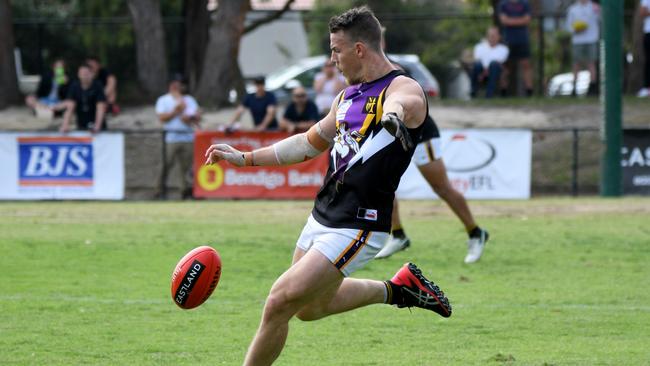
(563, 282)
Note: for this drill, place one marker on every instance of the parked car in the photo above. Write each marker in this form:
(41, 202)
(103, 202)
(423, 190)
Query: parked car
(562, 84)
(304, 71)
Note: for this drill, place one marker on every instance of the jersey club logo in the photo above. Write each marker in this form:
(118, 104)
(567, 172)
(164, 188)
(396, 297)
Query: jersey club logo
(371, 106)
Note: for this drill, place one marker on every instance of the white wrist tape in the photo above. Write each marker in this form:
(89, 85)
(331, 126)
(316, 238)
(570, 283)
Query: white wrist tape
(294, 149)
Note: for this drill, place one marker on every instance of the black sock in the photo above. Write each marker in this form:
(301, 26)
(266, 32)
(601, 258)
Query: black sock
(395, 296)
(475, 232)
(398, 233)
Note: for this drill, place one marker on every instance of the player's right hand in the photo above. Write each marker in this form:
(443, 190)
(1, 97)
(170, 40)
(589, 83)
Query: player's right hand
(218, 152)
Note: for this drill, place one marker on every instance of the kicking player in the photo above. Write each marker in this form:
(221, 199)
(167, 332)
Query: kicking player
(428, 159)
(371, 126)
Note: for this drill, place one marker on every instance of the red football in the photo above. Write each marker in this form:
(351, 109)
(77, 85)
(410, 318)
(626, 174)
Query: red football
(195, 277)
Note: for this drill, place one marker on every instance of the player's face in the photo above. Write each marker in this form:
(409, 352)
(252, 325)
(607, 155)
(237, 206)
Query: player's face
(345, 58)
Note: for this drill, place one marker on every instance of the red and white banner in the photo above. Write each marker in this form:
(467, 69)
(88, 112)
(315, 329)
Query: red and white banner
(223, 180)
(53, 166)
(481, 164)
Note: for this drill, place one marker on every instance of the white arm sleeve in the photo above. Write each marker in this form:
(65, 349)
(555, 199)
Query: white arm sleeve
(294, 149)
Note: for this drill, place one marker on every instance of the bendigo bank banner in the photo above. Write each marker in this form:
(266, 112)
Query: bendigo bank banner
(74, 166)
(223, 180)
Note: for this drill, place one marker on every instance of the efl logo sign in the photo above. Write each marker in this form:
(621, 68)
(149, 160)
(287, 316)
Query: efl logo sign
(55, 161)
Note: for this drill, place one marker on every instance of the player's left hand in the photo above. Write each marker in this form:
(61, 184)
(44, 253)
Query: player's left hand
(218, 152)
(396, 127)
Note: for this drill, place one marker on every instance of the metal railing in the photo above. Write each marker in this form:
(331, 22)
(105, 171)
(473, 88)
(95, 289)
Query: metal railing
(565, 161)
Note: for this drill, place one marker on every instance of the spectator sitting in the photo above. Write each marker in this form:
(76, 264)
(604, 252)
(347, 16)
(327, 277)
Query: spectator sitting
(86, 97)
(327, 84)
(108, 81)
(51, 92)
(180, 115)
(262, 105)
(583, 21)
(489, 56)
(300, 114)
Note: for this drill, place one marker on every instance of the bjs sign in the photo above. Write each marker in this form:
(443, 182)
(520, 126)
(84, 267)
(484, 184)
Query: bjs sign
(55, 161)
(41, 166)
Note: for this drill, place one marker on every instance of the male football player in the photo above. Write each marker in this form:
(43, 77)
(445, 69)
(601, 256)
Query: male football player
(371, 126)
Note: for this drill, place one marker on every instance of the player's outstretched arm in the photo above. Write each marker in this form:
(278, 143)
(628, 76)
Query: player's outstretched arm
(293, 149)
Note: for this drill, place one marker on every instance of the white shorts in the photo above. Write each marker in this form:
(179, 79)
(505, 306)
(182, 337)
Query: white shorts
(347, 249)
(428, 151)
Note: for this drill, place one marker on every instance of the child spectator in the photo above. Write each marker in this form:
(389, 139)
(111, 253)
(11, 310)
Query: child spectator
(51, 92)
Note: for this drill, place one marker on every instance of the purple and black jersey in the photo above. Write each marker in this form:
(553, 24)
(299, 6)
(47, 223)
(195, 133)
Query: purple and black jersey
(366, 162)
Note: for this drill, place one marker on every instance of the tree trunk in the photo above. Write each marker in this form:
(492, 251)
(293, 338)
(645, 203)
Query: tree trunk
(222, 52)
(634, 77)
(197, 25)
(9, 93)
(150, 45)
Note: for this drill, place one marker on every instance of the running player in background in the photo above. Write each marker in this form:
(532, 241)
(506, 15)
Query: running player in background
(428, 159)
(371, 128)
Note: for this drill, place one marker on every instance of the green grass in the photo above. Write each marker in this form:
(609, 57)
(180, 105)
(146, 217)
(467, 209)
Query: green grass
(563, 282)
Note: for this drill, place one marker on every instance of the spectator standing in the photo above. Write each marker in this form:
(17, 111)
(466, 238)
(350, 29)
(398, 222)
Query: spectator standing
(515, 17)
(180, 115)
(645, 13)
(489, 56)
(583, 21)
(300, 114)
(86, 97)
(262, 105)
(327, 84)
(51, 92)
(108, 82)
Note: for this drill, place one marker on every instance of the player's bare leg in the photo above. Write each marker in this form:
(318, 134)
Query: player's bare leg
(435, 174)
(407, 288)
(312, 279)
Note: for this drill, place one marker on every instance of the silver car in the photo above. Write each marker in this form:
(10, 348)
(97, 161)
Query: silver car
(304, 71)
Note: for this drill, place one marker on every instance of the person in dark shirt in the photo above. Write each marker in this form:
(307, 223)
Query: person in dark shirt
(515, 17)
(262, 105)
(52, 90)
(86, 97)
(300, 114)
(107, 80)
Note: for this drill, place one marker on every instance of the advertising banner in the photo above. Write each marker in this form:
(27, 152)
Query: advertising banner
(481, 164)
(52, 166)
(635, 161)
(227, 181)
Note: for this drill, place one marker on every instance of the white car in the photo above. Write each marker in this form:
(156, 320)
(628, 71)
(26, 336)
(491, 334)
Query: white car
(304, 71)
(562, 84)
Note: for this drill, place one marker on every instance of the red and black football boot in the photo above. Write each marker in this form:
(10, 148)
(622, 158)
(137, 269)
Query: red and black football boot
(410, 288)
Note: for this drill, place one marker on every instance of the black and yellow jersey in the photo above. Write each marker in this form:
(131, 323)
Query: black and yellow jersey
(366, 162)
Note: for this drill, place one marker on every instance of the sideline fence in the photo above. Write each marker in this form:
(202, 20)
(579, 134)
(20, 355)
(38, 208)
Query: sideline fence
(565, 161)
